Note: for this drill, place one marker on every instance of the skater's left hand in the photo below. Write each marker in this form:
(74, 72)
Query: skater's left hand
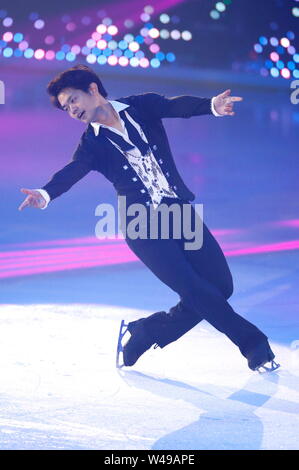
(223, 103)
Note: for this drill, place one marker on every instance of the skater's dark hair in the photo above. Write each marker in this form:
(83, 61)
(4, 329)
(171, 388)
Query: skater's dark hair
(78, 77)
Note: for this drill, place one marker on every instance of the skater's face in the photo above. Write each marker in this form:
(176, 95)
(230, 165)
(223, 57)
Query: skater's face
(81, 105)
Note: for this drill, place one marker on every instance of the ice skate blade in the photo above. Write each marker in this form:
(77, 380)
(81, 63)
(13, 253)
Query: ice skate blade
(119, 350)
(262, 369)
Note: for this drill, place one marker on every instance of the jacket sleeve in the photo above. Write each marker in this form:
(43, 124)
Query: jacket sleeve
(159, 106)
(75, 170)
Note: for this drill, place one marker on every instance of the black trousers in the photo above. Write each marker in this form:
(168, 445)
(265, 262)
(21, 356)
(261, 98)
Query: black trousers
(201, 278)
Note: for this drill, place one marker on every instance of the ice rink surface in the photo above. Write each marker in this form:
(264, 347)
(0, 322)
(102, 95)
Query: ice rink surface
(60, 388)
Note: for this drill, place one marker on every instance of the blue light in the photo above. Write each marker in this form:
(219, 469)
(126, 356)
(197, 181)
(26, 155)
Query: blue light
(70, 56)
(291, 65)
(107, 52)
(296, 58)
(280, 64)
(268, 64)
(65, 48)
(263, 40)
(123, 45)
(60, 55)
(155, 63)
(29, 53)
(258, 48)
(85, 50)
(148, 25)
(18, 53)
(280, 49)
(107, 37)
(160, 56)
(128, 53)
(33, 16)
(290, 35)
(274, 72)
(139, 39)
(170, 57)
(18, 37)
(118, 52)
(95, 51)
(102, 59)
(8, 52)
(2, 43)
(296, 73)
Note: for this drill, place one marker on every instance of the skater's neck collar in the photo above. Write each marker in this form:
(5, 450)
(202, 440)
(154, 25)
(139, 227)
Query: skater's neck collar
(118, 106)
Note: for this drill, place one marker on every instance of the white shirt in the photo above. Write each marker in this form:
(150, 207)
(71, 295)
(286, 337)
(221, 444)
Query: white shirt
(146, 167)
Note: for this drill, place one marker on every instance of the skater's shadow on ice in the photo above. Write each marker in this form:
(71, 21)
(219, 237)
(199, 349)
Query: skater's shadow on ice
(227, 423)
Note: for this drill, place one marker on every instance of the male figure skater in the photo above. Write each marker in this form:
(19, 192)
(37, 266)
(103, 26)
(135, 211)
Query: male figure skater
(125, 141)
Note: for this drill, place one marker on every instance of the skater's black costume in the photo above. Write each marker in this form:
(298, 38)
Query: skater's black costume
(201, 277)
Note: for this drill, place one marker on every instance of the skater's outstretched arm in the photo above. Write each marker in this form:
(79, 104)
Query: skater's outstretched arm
(159, 106)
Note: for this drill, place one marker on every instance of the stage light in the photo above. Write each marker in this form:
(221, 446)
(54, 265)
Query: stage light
(263, 40)
(50, 55)
(3, 43)
(71, 26)
(29, 53)
(154, 48)
(65, 48)
(7, 22)
(102, 59)
(101, 28)
(145, 17)
(295, 12)
(23, 45)
(144, 32)
(291, 65)
(76, 49)
(280, 64)
(258, 48)
(96, 36)
(123, 61)
(290, 35)
(86, 20)
(118, 52)
(39, 24)
(215, 15)
(112, 45)
(186, 35)
(139, 39)
(70, 56)
(170, 57)
(134, 46)
(285, 73)
(296, 58)
(175, 34)
(274, 56)
(155, 63)
(154, 33)
(296, 73)
(134, 62)
(128, 53)
(144, 62)
(160, 56)
(274, 72)
(107, 52)
(149, 9)
(49, 39)
(164, 18)
(101, 44)
(264, 72)
(112, 60)
(91, 58)
(95, 51)
(90, 43)
(129, 38)
(164, 34)
(113, 30)
(291, 50)
(7, 52)
(60, 55)
(107, 21)
(129, 23)
(85, 50)
(139, 54)
(7, 37)
(18, 37)
(220, 7)
(123, 44)
(39, 54)
(285, 42)
(269, 64)
(274, 41)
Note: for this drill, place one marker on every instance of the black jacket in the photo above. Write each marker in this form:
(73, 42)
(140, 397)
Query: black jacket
(99, 154)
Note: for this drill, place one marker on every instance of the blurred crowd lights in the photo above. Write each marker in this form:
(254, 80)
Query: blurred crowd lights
(102, 46)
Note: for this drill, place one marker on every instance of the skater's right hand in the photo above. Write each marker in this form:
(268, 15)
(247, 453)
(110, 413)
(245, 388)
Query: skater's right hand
(34, 199)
